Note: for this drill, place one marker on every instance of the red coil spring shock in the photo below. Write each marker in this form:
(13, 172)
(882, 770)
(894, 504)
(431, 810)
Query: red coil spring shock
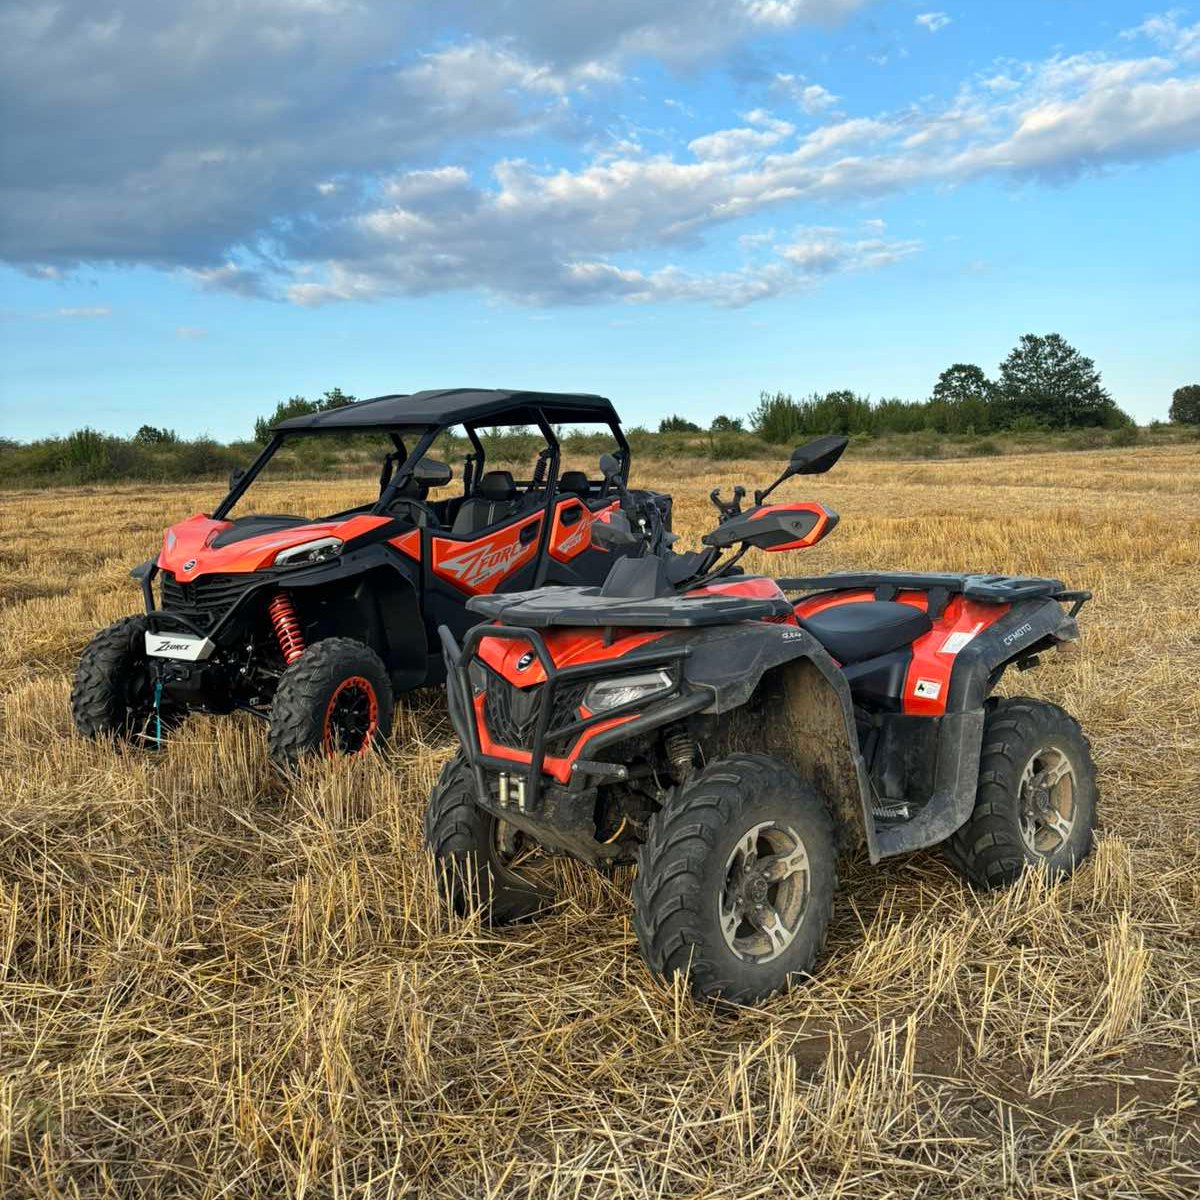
(287, 627)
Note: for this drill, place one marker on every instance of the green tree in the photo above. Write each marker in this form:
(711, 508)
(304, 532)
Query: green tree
(1185, 404)
(298, 406)
(151, 435)
(674, 424)
(1047, 381)
(961, 401)
(724, 424)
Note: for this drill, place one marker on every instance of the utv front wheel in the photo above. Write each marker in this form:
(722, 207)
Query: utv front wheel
(735, 880)
(334, 700)
(475, 853)
(113, 693)
(1036, 804)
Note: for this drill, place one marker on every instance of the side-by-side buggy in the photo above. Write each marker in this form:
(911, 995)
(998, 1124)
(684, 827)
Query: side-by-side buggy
(316, 620)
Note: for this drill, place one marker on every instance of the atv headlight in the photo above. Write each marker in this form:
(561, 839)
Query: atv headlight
(308, 554)
(478, 675)
(614, 693)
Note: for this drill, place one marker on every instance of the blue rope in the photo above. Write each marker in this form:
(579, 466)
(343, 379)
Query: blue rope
(158, 714)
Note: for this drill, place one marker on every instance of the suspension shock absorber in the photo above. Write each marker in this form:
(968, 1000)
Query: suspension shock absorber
(681, 752)
(287, 626)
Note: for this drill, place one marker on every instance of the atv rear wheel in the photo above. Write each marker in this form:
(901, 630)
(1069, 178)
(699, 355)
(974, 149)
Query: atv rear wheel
(334, 700)
(113, 693)
(1036, 803)
(475, 853)
(735, 880)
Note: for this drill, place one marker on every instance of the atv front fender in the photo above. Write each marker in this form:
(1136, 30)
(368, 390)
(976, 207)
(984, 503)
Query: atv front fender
(808, 718)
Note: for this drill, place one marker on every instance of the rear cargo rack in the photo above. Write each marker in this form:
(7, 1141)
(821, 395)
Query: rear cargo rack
(990, 589)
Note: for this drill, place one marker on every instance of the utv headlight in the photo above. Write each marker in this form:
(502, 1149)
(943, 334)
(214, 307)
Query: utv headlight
(307, 554)
(614, 693)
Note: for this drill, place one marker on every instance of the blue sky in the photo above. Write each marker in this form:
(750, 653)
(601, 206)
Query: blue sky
(208, 207)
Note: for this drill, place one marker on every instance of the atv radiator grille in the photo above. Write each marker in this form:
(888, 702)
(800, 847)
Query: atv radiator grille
(511, 713)
(206, 599)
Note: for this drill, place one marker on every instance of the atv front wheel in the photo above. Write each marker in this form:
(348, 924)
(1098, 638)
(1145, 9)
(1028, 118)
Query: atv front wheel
(735, 880)
(113, 693)
(475, 853)
(334, 699)
(1036, 803)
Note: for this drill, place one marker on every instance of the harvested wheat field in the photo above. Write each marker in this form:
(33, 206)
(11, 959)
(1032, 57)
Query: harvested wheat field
(215, 985)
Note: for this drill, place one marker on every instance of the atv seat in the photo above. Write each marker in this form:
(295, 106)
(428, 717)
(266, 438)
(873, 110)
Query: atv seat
(493, 500)
(865, 629)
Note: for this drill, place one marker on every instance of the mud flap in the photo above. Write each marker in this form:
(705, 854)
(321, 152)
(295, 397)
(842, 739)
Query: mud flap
(960, 741)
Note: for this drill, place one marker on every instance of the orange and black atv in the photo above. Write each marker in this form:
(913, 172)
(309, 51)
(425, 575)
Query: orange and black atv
(729, 740)
(315, 621)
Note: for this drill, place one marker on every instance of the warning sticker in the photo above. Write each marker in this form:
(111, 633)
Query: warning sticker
(956, 641)
(928, 689)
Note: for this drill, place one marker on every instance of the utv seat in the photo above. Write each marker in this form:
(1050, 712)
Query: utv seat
(494, 498)
(857, 631)
(575, 483)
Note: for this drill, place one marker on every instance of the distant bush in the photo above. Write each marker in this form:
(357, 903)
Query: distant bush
(985, 448)
(674, 424)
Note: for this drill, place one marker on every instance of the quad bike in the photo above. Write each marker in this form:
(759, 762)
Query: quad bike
(314, 624)
(730, 740)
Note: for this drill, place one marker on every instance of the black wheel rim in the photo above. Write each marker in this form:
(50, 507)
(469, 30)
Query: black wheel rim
(351, 717)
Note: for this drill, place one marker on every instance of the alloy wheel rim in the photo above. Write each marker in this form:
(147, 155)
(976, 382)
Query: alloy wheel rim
(764, 895)
(1047, 801)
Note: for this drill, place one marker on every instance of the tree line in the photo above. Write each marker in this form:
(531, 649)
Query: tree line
(1044, 383)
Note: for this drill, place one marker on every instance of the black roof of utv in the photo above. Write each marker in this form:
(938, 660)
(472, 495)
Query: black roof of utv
(455, 406)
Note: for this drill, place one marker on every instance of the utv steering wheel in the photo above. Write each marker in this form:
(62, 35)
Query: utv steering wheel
(421, 514)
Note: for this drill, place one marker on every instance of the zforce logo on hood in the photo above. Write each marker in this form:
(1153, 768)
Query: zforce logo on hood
(479, 566)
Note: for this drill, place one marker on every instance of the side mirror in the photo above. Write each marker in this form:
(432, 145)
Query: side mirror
(817, 457)
(236, 476)
(610, 467)
(614, 534)
(430, 473)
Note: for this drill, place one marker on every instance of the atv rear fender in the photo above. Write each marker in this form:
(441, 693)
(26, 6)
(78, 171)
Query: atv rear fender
(809, 715)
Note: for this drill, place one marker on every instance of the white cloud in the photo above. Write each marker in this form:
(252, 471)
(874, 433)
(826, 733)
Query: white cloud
(933, 21)
(811, 97)
(190, 333)
(86, 313)
(1167, 31)
(577, 235)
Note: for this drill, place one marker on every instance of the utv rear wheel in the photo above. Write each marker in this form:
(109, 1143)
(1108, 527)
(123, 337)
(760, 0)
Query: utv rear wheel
(1036, 804)
(113, 693)
(334, 700)
(735, 880)
(475, 853)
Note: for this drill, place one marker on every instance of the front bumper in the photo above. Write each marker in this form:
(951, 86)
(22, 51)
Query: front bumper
(517, 780)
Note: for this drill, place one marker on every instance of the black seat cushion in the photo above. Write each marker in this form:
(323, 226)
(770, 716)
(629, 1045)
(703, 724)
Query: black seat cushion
(575, 483)
(857, 631)
(493, 500)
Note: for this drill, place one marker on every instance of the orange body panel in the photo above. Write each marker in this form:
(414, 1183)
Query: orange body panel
(408, 543)
(481, 566)
(568, 541)
(927, 682)
(190, 541)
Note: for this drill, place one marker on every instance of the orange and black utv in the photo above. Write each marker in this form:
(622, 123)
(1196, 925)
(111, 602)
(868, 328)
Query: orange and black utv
(728, 739)
(315, 620)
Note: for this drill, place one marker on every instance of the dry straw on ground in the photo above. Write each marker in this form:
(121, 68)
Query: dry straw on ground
(214, 986)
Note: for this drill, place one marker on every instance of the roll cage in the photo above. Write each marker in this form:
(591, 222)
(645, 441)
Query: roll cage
(524, 414)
